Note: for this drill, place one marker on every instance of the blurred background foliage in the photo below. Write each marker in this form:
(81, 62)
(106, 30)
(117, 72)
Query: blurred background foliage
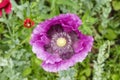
(101, 19)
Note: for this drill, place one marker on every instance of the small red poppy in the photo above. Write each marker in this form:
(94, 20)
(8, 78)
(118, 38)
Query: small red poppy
(5, 4)
(28, 23)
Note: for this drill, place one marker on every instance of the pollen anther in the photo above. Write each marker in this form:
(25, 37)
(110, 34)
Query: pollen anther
(1, 1)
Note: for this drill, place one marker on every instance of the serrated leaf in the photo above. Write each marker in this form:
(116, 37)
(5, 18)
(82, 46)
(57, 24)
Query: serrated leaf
(38, 61)
(3, 62)
(116, 5)
(115, 77)
(66, 2)
(1, 29)
(110, 34)
(7, 36)
(83, 78)
(27, 71)
(88, 72)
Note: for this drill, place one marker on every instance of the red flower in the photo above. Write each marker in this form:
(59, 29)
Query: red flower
(5, 4)
(28, 23)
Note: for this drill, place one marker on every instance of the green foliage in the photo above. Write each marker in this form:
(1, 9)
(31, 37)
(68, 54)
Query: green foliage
(116, 5)
(115, 77)
(67, 75)
(100, 18)
(99, 64)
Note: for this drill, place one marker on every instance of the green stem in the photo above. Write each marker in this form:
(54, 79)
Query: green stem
(9, 30)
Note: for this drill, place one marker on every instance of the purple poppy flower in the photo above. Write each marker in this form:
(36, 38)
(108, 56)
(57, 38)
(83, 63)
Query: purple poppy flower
(59, 43)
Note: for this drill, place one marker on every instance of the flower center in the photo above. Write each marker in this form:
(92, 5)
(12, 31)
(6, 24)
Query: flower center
(28, 24)
(61, 42)
(1, 1)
